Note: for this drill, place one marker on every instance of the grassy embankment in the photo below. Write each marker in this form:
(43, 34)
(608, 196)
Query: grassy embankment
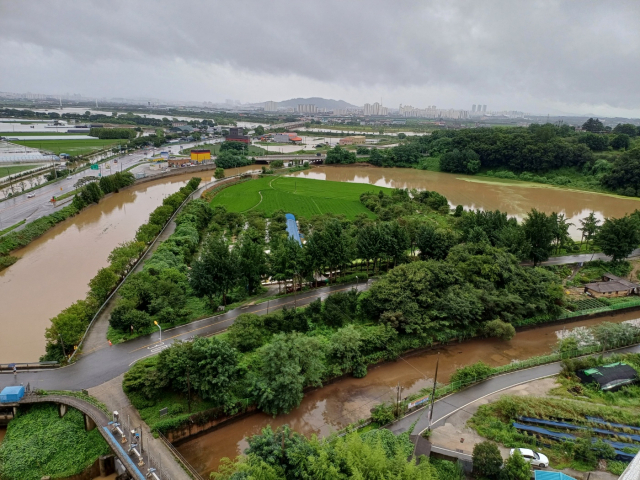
(39, 443)
(72, 147)
(5, 171)
(570, 402)
(301, 197)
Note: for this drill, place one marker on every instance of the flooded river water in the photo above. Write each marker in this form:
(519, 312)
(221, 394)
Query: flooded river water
(515, 198)
(54, 270)
(350, 399)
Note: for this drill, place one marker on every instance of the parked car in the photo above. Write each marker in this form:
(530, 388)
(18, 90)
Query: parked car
(534, 458)
(31, 195)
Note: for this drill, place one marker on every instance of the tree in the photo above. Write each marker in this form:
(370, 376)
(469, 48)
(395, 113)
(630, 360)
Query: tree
(219, 173)
(487, 460)
(259, 130)
(621, 141)
(402, 136)
(216, 271)
(625, 174)
(561, 231)
(345, 347)
(456, 161)
(589, 226)
(340, 155)
(595, 142)
(626, 129)
(539, 229)
(216, 369)
(435, 243)
(618, 237)
(593, 125)
(288, 364)
(516, 468)
(252, 262)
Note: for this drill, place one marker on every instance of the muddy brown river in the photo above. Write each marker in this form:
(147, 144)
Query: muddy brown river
(515, 198)
(350, 399)
(54, 270)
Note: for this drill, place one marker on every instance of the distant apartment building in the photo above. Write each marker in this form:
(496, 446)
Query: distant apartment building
(270, 106)
(375, 109)
(353, 140)
(432, 112)
(307, 108)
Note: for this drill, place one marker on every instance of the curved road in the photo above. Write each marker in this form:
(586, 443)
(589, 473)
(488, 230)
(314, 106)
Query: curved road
(104, 363)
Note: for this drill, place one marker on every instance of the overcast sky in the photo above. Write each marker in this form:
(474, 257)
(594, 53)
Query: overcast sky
(537, 56)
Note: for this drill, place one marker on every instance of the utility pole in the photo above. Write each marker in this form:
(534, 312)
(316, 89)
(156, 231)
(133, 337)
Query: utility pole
(189, 391)
(433, 393)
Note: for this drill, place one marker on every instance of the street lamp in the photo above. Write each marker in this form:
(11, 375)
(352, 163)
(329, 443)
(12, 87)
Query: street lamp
(158, 325)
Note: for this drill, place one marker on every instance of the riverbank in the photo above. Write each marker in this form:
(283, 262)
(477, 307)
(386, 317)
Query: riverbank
(348, 400)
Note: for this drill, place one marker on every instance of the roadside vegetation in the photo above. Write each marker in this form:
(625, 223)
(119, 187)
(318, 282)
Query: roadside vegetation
(68, 327)
(576, 403)
(39, 443)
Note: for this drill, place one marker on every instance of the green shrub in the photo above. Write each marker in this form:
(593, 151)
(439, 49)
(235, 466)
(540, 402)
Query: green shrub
(471, 373)
(383, 414)
(500, 329)
(487, 460)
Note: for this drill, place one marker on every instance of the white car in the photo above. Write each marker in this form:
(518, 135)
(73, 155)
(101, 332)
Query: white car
(534, 458)
(31, 195)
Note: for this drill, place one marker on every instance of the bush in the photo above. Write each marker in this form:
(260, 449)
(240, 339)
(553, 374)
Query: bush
(516, 468)
(383, 414)
(471, 373)
(487, 460)
(500, 329)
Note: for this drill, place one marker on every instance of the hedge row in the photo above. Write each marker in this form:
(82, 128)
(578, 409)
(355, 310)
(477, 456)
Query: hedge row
(68, 327)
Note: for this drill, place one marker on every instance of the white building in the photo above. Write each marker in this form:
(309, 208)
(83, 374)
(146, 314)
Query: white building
(375, 109)
(432, 112)
(270, 106)
(307, 108)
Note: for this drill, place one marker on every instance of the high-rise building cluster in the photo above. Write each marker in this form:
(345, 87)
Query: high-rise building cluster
(478, 109)
(432, 112)
(375, 109)
(307, 108)
(270, 106)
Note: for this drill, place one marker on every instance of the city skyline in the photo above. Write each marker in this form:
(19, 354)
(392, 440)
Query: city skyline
(509, 55)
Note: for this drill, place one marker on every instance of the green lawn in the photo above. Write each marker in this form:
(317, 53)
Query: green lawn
(215, 149)
(72, 147)
(11, 169)
(300, 196)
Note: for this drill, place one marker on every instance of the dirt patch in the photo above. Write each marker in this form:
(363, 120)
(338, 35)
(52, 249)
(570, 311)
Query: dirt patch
(455, 435)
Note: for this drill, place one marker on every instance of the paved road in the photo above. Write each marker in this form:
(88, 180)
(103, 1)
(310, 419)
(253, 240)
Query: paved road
(447, 406)
(583, 257)
(19, 208)
(105, 363)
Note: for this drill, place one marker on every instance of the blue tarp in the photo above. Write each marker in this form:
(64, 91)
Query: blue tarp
(292, 228)
(569, 426)
(559, 436)
(611, 424)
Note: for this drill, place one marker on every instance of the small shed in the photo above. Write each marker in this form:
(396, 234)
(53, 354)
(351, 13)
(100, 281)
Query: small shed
(11, 394)
(609, 377)
(611, 286)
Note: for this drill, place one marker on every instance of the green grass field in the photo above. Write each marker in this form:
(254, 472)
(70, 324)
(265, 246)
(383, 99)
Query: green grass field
(72, 147)
(35, 134)
(215, 149)
(11, 169)
(300, 196)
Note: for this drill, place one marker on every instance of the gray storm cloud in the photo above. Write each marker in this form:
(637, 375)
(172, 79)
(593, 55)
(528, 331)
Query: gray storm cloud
(574, 53)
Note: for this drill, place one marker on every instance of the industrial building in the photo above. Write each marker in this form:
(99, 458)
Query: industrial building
(286, 137)
(236, 134)
(200, 156)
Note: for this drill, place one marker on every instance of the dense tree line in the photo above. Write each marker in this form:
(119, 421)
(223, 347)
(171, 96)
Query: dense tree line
(112, 133)
(69, 325)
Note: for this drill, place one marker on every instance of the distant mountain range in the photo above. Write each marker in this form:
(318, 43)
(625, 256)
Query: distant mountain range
(318, 102)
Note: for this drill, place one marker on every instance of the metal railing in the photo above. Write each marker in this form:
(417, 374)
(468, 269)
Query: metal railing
(142, 257)
(178, 456)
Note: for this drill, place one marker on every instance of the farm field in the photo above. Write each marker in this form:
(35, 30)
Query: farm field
(302, 197)
(215, 149)
(72, 147)
(11, 169)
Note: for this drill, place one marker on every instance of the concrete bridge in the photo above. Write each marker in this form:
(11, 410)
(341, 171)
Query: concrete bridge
(125, 443)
